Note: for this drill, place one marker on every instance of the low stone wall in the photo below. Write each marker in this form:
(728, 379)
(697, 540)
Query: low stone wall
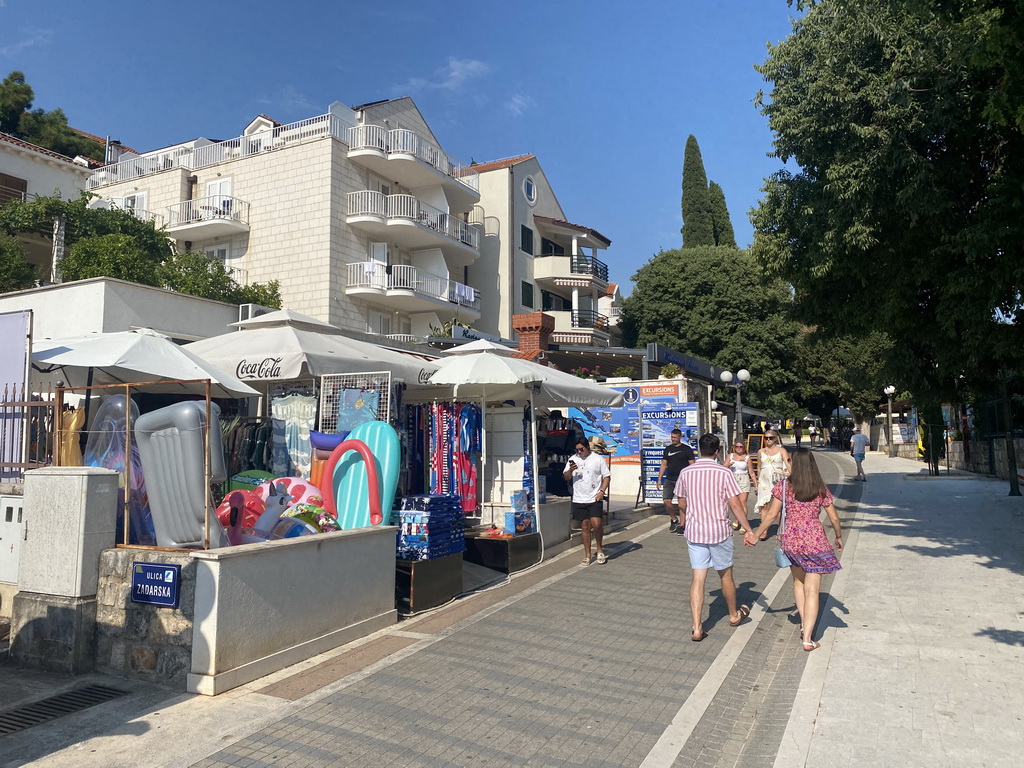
(135, 640)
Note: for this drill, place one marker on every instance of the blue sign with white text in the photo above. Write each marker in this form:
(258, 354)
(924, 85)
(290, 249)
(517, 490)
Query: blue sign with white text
(156, 584)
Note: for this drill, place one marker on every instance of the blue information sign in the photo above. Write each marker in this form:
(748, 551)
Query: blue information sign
(156, 584)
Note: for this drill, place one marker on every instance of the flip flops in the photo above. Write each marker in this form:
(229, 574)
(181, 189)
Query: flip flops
(744, 611)
(586, 561)
(697, 638)
(601, 558)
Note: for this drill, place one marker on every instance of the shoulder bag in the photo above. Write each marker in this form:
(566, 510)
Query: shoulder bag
(780, 557)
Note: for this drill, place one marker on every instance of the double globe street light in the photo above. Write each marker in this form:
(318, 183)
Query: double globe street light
(741, 378)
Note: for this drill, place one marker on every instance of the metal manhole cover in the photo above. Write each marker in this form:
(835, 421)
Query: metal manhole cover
(43, 711)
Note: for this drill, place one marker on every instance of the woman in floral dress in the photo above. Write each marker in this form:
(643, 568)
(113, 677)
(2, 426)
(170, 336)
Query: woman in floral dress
(803, 538)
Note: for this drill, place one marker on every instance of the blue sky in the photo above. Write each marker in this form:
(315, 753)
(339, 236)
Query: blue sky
(604, 93)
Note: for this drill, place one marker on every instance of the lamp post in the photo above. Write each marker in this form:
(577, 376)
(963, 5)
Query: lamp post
(712, 407)
(889, 392)
(741, 378)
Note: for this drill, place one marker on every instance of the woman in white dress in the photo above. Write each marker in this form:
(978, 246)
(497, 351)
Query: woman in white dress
(773, 464)
(739, 463)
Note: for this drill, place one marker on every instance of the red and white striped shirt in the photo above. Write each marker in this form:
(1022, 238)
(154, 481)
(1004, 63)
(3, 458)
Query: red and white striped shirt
(707, 487)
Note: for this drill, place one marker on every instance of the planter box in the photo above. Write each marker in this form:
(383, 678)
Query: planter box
(504, 555)
(423, 584)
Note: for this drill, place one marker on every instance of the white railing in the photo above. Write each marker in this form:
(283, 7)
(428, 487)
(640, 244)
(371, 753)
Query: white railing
(402, 141)
(374, 274)
(194, 158)
(209, 208)
(368, 203)
(406, 337)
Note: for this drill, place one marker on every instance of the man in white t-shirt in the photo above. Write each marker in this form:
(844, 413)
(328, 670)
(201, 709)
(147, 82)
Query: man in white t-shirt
(589, 476)
(858, 447)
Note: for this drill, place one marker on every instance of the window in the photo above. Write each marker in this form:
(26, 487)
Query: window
(378, 323)
(219, 253)
(527, 294)
(550, 248)
(530, 190)
(12, 188)
(526, 239)
(553, 302)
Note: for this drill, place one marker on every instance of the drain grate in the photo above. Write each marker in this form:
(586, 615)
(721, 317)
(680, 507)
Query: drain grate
(62, 704)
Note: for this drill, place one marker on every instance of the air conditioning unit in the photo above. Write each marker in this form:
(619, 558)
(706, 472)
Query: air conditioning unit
(249, 311)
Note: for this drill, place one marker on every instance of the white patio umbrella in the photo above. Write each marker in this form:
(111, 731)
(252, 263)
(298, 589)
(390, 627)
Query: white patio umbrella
(480, 345)
(127, 357)
(283, 346)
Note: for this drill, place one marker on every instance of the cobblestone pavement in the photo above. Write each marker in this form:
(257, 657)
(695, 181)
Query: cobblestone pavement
(587, 668)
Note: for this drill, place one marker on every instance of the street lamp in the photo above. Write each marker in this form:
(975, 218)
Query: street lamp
(742, 377)
(712, 407)
(889, 392)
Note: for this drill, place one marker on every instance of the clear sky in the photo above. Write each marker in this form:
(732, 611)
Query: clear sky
(604, 93)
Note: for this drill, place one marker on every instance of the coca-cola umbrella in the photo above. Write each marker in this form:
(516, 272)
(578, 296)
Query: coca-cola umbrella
(288, 346)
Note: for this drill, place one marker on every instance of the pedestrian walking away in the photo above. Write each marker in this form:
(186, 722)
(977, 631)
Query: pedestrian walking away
(812, 434)
(798, 434)
(677, 456)
(590, 477)
(739, 462)
(772, 466)
(803, 538)
(707, 491)
(858, 447)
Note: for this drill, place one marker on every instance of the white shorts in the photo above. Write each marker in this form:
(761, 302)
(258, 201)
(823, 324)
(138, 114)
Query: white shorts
(718, 556)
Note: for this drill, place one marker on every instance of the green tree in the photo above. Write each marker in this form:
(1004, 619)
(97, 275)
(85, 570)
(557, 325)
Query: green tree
(698, 226)
(842, 371)
(904, 121)
(16, 273)
(196, 274)
(49, 130)
(15, 98)
(716, 304)
(722, 224)
(112, 255)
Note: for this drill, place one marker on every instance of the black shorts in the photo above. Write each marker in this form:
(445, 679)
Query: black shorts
(581, 512)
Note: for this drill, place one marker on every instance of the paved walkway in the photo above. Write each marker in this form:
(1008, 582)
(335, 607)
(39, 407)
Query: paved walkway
(569, 666)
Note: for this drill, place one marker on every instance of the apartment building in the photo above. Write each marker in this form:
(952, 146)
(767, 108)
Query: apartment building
(533, 259)
(27, 171)
(358, 213)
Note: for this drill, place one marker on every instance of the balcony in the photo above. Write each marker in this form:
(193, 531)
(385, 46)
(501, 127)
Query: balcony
(404, 155)
(194, 156)
(411, 290)
(578, 270)
(580, 326)
(413, 225)
(207, 217)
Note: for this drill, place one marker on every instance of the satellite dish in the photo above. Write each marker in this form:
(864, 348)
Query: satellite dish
(98, 204)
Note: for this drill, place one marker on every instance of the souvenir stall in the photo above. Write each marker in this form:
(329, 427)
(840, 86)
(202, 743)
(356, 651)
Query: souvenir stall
(259, 545)
(511, 391)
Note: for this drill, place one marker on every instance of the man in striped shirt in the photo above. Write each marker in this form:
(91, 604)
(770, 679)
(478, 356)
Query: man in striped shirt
(706, 491)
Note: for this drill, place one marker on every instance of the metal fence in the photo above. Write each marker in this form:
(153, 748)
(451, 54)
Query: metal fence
(27, 431)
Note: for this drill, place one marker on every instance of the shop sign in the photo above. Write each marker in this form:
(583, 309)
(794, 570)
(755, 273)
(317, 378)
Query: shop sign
(156, 584)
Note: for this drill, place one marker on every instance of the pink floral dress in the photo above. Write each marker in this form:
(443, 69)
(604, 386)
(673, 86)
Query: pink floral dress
(803, 537)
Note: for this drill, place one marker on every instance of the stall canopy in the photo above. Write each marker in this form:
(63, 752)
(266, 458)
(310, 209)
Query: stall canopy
(497, 377)
(287, 346)
(128, 357)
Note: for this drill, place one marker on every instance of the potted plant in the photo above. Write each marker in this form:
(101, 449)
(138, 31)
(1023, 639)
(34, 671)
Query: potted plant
(670, 371)
(621, 374)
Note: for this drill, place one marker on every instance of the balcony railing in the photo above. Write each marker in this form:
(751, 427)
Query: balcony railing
(404, 277)
(588, 318)
(209, 208)
(581, 265)
(7, 194)
(368, 203)
(410, 338)
(194, 158)
(401, 141)
(140, 213)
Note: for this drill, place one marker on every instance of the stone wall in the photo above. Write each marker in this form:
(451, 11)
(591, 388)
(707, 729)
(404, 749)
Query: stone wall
(135, 640)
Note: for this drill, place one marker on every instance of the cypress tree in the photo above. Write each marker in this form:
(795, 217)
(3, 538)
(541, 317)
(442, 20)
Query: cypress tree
(720, 220)
(698, 228)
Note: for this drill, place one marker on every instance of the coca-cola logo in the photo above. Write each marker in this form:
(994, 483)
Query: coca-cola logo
(424, 376)
(267, 368)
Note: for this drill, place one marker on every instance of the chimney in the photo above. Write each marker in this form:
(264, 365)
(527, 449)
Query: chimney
(534, 330)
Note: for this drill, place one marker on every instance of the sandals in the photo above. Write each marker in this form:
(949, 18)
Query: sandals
(601, 558)
(738, 528)
(697, 638)
(586, 561)
(744, 611)
(810, 645)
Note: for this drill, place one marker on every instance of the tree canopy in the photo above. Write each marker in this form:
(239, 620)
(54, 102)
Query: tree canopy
(715, 303)
(49, 130)
(904, 119)
(720, 221)
(114, 243)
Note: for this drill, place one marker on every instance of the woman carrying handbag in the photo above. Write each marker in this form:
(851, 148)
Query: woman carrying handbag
(802, 538)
